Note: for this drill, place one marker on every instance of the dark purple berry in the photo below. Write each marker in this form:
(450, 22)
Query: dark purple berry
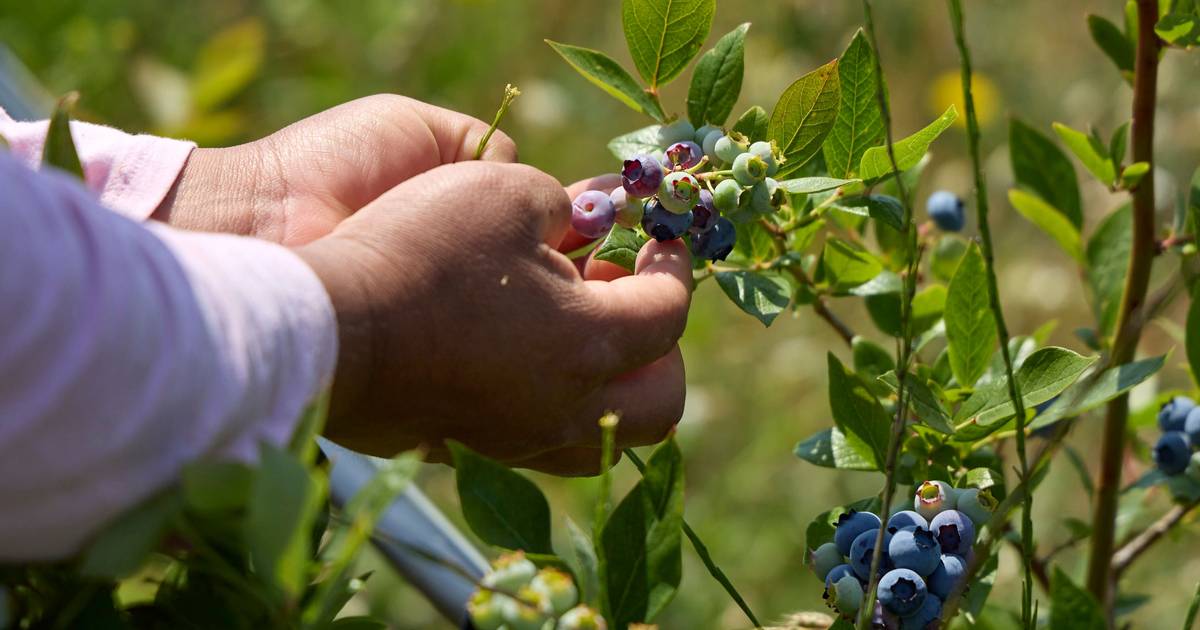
(683, 155)
(717, 243)
(593, 214)
(641, 176)
(664, 225)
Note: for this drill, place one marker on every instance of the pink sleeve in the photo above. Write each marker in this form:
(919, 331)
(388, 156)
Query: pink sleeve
(129, 349)
(130, 174)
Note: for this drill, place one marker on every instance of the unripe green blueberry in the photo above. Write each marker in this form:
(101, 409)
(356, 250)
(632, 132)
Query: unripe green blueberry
(510, 572)
(726, 195)
(581, 618)
(824, 558)
(679, 192)
(677, 131)
(557, 588)
(847, 595)
(977, 504)
(749, 169)
(766, 152)
(765, 196)
(1193, 469)
(702, 132)
(932, 498)
(730, 146)
(709, 144)
(484, 607)
(629, 215)
(530, 611)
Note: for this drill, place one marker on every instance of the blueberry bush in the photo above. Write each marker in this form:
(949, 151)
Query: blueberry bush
(799, 207)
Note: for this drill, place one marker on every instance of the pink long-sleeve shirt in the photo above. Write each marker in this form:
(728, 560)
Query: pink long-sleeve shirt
(128, 348)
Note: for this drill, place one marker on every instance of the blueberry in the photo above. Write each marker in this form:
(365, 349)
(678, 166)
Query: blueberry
(703, 131)
(1173, 452)
(675, 132)
(716, 243)
(902, 591)
(765, 151)
(824, 558)
(557, 588)
(946, 210)
(679, 191)
(846, 595)
(915, 548)
(1191, 426)
(709, 144)
(726, 195)
(629, 214)
(1193, 469)
(704, 214)
(749, 169)
(926, 616)
(837, 573)
(593, 214)
(850, 525)
(977, 504)
(484, 608)
(730, 146)
(764, 197)
(951, 571)
(862, 552)
(884, 619)
(1173, 415)
(641, 175)
(906, 518)
(581, 618)
(683, 155)
(954, 531)
(510, 572)
(933, 497)
(530, 613)
(663, 224)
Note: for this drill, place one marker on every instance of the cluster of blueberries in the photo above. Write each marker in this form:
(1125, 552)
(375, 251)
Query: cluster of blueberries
(925, 556)
(692, 185)
(1179, 420)
(520, 597)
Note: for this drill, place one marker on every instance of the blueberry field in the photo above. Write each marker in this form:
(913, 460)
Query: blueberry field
(942, 359)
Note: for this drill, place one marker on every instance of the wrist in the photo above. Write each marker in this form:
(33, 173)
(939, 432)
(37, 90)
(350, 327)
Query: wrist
(218, 190)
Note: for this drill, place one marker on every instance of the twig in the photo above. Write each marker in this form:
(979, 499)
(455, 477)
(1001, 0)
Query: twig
(1137, 280)
(1130, 552)
(822, 309)
(702, 551)
(1193, 608)
(510, 94)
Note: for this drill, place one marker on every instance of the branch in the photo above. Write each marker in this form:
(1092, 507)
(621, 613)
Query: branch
(1127, 554)
(822, 309)
(1129, 328)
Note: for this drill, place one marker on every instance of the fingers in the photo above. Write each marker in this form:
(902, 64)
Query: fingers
(458, 135)
(648, 399)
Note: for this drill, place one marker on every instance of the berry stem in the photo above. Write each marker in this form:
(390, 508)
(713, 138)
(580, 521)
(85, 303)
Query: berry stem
(1129, 325)
(510, 94)
(985, 233)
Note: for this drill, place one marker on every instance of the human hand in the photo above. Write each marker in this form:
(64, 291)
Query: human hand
(460, 319)
(295, 185)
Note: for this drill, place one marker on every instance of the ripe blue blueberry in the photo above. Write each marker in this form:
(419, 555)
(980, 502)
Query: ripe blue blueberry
(915, 548)
(862, 552)
(663, 224)
(977, 504)
(593, 214)
(764, 151)
(933, 497)
(730, 146)
(629, 214)
(951, 571)
(824, 558)
(846, 595)
(716, 243)
(641, 176)
(683, 155)
(946, 210)
(1173, 452)
(906, 518)
(1192, 427)
(677, 131)
(850, 525)
(709, 144)
(837, 573)
(926, 616)
(726, 195)
(679, 192)
(902, 591)
(749, 169)
(1173, 415)
(954, 531)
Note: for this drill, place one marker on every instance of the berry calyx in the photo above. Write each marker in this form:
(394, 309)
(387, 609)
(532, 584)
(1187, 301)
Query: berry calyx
(902, 591)
(765, 151)
(679, 192)
(684, 155)
(954, 532)
(933, 497)
(749, 169)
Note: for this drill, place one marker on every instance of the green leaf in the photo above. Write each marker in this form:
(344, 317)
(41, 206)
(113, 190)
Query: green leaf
(1193, 338)
(1091, 153)
(502, 507)
(304, 443)
(1112, 41)
(125, 543)
(946, 256)
(1044, 375)
(228, 63)
(1048, 220)
(1108, 253)
(804, 115)
(885, 282)
(1117, 146)
(717, 79)
(1133, 174)
(585, 558)
(871, 360)
(859, 124)
(848, 265)
(621, 247)
(609, 76)
(810, 185)
(754, 245)
(858, 413)
(830, 449)
(644, 140)
(59, 149)
(212, 487)
(357, 623)
(883, 208)
(1042, 168)
(909, 151)
(1179, 29)
(762, 295)
(284, 502)
(753, 124)
(664, 35)
(922, 401)
(1073, 608)
(970, 327)
(1089, 394)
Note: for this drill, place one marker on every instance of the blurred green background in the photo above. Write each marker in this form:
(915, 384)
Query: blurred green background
(225, 71)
